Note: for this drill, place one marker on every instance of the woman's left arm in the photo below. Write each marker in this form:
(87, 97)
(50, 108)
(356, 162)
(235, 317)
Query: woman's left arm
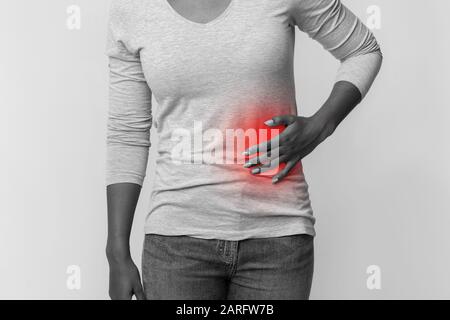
(341, 33)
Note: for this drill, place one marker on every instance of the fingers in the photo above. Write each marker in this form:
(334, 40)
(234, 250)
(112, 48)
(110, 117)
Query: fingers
(291, 163)
(139, 292)
(280, 120)
(272, 164)
(276, 141)
(122, 294)
(283, 173)
(264, 158)
(265, 146)
(296, 141)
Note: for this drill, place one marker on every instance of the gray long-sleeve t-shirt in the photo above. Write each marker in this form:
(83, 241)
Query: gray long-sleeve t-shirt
(215, 84)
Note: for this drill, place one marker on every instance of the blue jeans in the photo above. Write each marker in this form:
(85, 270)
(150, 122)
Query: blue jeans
(187, 268)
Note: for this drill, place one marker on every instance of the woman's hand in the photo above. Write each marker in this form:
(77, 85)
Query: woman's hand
(124, 279)
(301, 136)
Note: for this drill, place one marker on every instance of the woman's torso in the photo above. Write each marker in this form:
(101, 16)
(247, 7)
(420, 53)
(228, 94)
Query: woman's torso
(213, 82)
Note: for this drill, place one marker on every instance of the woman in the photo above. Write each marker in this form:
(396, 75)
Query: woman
(230, 215)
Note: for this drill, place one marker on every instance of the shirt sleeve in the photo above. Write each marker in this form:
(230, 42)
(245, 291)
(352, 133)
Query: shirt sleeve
(340, 32)
(129, 113)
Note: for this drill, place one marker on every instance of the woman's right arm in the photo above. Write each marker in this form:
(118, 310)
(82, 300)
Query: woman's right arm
(124, 279)
(128, 142)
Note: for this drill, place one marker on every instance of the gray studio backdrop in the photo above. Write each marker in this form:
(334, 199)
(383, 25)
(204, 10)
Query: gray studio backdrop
(380, 186)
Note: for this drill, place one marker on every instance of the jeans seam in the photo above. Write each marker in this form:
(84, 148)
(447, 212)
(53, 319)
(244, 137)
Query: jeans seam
(234, 260)
(220, 249)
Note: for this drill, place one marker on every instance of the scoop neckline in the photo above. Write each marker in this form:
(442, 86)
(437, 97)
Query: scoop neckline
(217, 19)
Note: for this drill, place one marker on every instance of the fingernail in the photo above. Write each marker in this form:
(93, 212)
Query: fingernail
(275, 180)
(269, 122)
(247, 165)
(256, 170)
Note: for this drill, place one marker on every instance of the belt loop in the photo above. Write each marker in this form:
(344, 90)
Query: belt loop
(227, 248)
(220, 246)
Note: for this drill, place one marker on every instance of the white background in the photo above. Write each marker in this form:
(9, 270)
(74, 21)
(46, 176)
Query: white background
(380, 185)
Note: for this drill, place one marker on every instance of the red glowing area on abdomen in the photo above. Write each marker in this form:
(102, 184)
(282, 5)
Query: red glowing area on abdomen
(247, 129)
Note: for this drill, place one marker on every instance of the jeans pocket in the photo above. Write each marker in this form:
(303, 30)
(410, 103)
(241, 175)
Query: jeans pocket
(303, 239)
(296, 242)
(153, 238)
